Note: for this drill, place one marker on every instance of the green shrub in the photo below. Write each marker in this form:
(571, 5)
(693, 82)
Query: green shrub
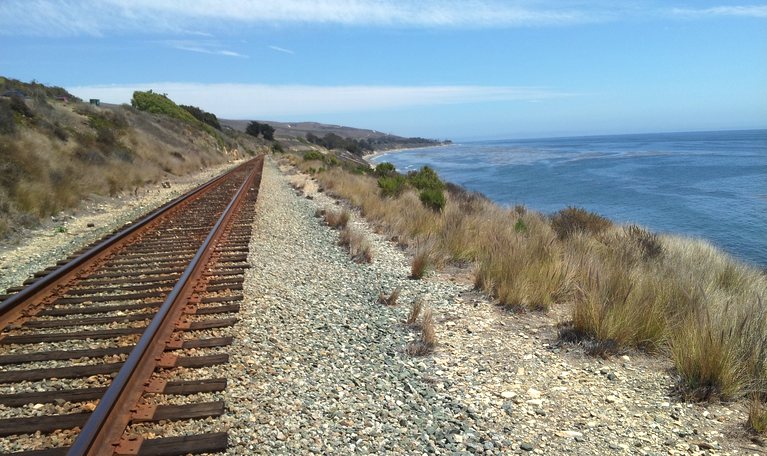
(425, 178)
(277, 147)
(203, 116)
(160, 104)
(578, 220)
(313, 155)
(332, 160)
(433, 198)
(385, 169)
(520, 226)
(391, 186)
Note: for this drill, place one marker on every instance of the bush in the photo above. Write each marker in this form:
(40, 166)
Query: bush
(425, 179)
(433, 198)
(160, 104)
(277, 147)
(385, 169)
(577, 220)
(647, 243)
(20, 106)
(203, 116)
(391, 186)
(254, 129)
(313, 155)
(331, 160)
(7, 122)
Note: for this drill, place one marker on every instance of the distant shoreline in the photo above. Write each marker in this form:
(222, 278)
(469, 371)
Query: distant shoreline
(378, 153)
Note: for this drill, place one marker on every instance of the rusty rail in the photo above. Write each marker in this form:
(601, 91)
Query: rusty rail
(102, 431)
(15, 305)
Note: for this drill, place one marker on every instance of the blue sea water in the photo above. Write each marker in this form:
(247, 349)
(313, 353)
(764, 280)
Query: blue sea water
(703, 184)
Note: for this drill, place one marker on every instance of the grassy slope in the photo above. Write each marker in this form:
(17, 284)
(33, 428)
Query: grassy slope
(55, 153)
(627, 288)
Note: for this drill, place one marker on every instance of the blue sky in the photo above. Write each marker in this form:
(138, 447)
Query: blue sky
(444, 69)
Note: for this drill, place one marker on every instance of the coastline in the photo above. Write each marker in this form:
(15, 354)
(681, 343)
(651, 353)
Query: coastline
(549, 174)
(378, 153)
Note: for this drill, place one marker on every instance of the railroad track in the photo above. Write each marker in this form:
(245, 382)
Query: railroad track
(101, 348)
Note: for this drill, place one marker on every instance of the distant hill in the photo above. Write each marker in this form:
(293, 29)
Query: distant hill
(376, 139)
(56, 150)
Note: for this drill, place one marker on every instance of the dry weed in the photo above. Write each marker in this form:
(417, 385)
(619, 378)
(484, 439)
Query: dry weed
(357, 244)
(427, 339)
(390, 300)
(757, 415)
(337, 219)
(415, 311)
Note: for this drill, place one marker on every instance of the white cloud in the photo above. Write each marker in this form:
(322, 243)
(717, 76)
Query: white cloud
(281, 49)
(203, 47)
(75, 17)
(242, 101)
(741, 11)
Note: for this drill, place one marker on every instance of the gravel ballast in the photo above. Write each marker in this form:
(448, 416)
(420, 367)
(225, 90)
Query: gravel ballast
(318, 365)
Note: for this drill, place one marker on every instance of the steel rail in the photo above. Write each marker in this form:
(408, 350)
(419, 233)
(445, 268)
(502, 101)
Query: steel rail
(107, 422)
(45, 283)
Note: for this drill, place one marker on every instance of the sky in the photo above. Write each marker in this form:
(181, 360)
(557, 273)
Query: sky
(472, 69)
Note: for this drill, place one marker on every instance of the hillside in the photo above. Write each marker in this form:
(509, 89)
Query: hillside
(56, 150)
(376, 139)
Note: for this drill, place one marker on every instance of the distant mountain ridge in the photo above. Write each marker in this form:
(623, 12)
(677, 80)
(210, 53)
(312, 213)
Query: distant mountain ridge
(379, 140)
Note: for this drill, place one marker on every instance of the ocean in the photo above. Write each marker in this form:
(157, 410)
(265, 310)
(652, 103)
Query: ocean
(711, 185)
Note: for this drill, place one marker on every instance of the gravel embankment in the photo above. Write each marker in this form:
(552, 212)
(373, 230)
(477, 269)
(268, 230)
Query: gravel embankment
(36, 249)
(318, 365)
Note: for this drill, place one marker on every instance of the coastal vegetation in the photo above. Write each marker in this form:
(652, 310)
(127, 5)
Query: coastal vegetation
(256, 128)
(56, 150)
(625, 287)
(361, 146)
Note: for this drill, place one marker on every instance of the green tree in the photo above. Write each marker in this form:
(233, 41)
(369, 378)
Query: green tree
(255, 128)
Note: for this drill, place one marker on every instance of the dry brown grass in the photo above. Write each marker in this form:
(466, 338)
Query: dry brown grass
(424, 258)
(72, 151)
(757, 415)
(357, 244)
(629, 288)
(427, 339)
(337, 219)
(390, 300)
(415, 312)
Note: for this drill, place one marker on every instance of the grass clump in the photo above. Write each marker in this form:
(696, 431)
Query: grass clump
(337, 219)
(427, 339)
(390, 300)
(420, 264)
(313, 155)
(577, 220)
(415, 312)
(757, 415)
(357, 244)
